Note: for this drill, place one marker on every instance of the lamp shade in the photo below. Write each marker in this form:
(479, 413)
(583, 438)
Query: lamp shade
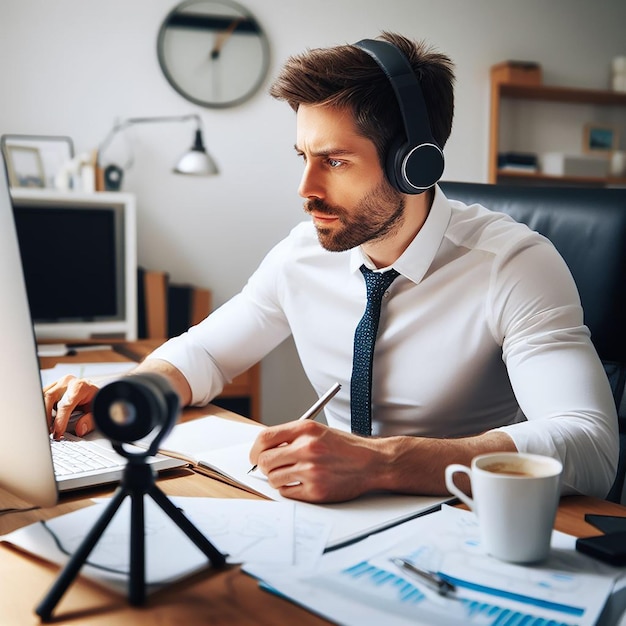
(196, 161)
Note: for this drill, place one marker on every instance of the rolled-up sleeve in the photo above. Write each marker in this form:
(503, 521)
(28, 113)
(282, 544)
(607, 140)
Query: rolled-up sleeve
(556, 374)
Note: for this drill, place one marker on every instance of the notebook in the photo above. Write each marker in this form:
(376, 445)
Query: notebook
(26, 467)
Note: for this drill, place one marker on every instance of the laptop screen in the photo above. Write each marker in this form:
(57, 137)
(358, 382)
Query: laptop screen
(26, 468)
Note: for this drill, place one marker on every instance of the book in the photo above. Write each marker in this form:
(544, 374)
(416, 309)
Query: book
(517, 161)
(527, 159)
(178, 309)
(166, 309)
(220, 447)
(198, 441)
(187, 305)
(201, 304)
(152, 288)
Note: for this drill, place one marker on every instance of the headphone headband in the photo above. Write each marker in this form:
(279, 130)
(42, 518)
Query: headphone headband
(406, 87)
(414, 163)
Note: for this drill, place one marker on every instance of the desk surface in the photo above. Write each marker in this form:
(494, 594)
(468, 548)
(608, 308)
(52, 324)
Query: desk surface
(224, 597)
(212, 597)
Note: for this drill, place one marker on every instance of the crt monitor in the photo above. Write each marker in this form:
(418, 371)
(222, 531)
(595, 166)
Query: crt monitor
(79, 257)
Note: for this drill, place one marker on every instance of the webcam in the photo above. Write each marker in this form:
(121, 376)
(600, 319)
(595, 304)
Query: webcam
(133, 408)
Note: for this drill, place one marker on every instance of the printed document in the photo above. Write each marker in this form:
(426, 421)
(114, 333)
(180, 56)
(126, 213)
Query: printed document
(360, 586)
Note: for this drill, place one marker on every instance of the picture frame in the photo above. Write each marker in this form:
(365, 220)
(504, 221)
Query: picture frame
(25, 167)
(600, 139)
(54, 151)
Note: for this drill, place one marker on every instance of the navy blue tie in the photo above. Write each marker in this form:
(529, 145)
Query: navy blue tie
(364, 339)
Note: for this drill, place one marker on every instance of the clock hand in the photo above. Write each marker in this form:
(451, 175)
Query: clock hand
(221, 39)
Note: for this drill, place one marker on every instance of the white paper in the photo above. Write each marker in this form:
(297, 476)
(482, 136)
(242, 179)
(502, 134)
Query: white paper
(93, 371)
(253, 531)
(199, 437)
(350, 520)
(359, 585)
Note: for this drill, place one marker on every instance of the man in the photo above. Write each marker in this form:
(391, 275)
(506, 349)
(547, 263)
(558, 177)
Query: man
(480, 346)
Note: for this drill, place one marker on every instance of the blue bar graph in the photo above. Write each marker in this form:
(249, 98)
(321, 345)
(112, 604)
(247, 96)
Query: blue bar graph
(365, 579)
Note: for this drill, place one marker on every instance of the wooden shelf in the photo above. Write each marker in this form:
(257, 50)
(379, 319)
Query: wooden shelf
(563, 94)
(576, 180)
(500, 89)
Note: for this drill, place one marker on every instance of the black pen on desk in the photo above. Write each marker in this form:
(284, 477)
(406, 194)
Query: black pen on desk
(315, 409)
(430, 579)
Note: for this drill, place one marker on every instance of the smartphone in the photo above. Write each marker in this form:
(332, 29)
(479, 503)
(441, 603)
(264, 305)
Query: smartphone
(610, 548)
(607, 523)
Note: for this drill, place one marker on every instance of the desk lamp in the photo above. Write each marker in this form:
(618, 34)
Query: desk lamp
(195, 162)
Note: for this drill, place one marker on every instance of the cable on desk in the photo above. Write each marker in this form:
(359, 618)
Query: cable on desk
(103, 568)
(59, 545)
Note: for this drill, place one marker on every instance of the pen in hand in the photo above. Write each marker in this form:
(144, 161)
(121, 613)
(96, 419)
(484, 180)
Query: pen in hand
(315, 410)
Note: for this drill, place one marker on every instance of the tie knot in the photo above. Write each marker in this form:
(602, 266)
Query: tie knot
(378, 282)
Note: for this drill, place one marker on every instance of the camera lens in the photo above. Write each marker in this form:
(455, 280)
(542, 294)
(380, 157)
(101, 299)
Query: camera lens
(128, 410)
(122, 413)
(135, 407)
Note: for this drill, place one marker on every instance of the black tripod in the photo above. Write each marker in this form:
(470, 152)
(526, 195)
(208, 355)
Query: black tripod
(137, 481)
(127, 411)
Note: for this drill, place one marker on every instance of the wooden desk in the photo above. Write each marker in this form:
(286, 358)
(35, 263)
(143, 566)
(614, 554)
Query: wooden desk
(214, 597)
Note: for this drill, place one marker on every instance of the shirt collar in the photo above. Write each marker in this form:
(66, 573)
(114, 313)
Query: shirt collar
(419, 255)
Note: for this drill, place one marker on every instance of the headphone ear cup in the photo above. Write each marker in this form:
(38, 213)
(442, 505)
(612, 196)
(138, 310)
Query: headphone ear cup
(414, 169)
(393, 165)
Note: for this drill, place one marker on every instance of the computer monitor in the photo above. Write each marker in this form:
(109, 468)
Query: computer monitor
(87, 241)
(25, 460)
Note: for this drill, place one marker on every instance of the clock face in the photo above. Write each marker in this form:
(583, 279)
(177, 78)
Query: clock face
(213, 52)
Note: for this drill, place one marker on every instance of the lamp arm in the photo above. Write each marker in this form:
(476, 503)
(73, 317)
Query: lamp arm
(131, 121)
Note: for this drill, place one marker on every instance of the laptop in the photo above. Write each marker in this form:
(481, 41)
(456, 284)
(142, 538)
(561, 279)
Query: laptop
(26, 465)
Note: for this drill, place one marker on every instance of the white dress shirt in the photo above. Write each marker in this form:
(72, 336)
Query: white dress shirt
(482, 330)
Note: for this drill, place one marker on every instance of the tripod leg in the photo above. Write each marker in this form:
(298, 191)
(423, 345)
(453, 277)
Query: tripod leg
(214, 555)
(72, 567)
(137, 581)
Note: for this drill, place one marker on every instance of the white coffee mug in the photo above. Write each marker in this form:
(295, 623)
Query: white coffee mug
(515, 497)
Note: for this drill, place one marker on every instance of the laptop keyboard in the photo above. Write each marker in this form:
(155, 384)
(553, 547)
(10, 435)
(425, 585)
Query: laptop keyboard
(76, 456)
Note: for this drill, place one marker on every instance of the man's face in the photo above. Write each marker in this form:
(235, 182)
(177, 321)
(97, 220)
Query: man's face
(344, 186)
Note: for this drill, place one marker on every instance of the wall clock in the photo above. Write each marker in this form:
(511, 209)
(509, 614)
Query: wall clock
(213, 52)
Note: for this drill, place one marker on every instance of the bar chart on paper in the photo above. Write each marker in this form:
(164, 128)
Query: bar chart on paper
(399, 594)
(368, 583)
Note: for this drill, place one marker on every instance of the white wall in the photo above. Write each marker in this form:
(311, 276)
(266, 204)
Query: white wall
(73, 67)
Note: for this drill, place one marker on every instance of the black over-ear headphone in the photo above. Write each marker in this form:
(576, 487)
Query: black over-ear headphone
(415, 162)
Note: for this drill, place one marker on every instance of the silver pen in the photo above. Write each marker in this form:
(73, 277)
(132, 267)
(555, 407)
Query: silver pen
(315, 409)
(430, 579)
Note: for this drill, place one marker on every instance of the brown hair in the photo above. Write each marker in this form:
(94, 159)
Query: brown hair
(347, 77)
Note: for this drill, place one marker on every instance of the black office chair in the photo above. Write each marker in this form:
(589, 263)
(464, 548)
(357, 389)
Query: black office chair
(588, 227)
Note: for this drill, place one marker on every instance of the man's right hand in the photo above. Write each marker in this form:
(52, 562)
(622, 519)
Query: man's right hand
(69, 394)
(62, 398)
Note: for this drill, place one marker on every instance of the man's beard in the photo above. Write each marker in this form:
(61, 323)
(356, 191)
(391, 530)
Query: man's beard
(377, 214)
